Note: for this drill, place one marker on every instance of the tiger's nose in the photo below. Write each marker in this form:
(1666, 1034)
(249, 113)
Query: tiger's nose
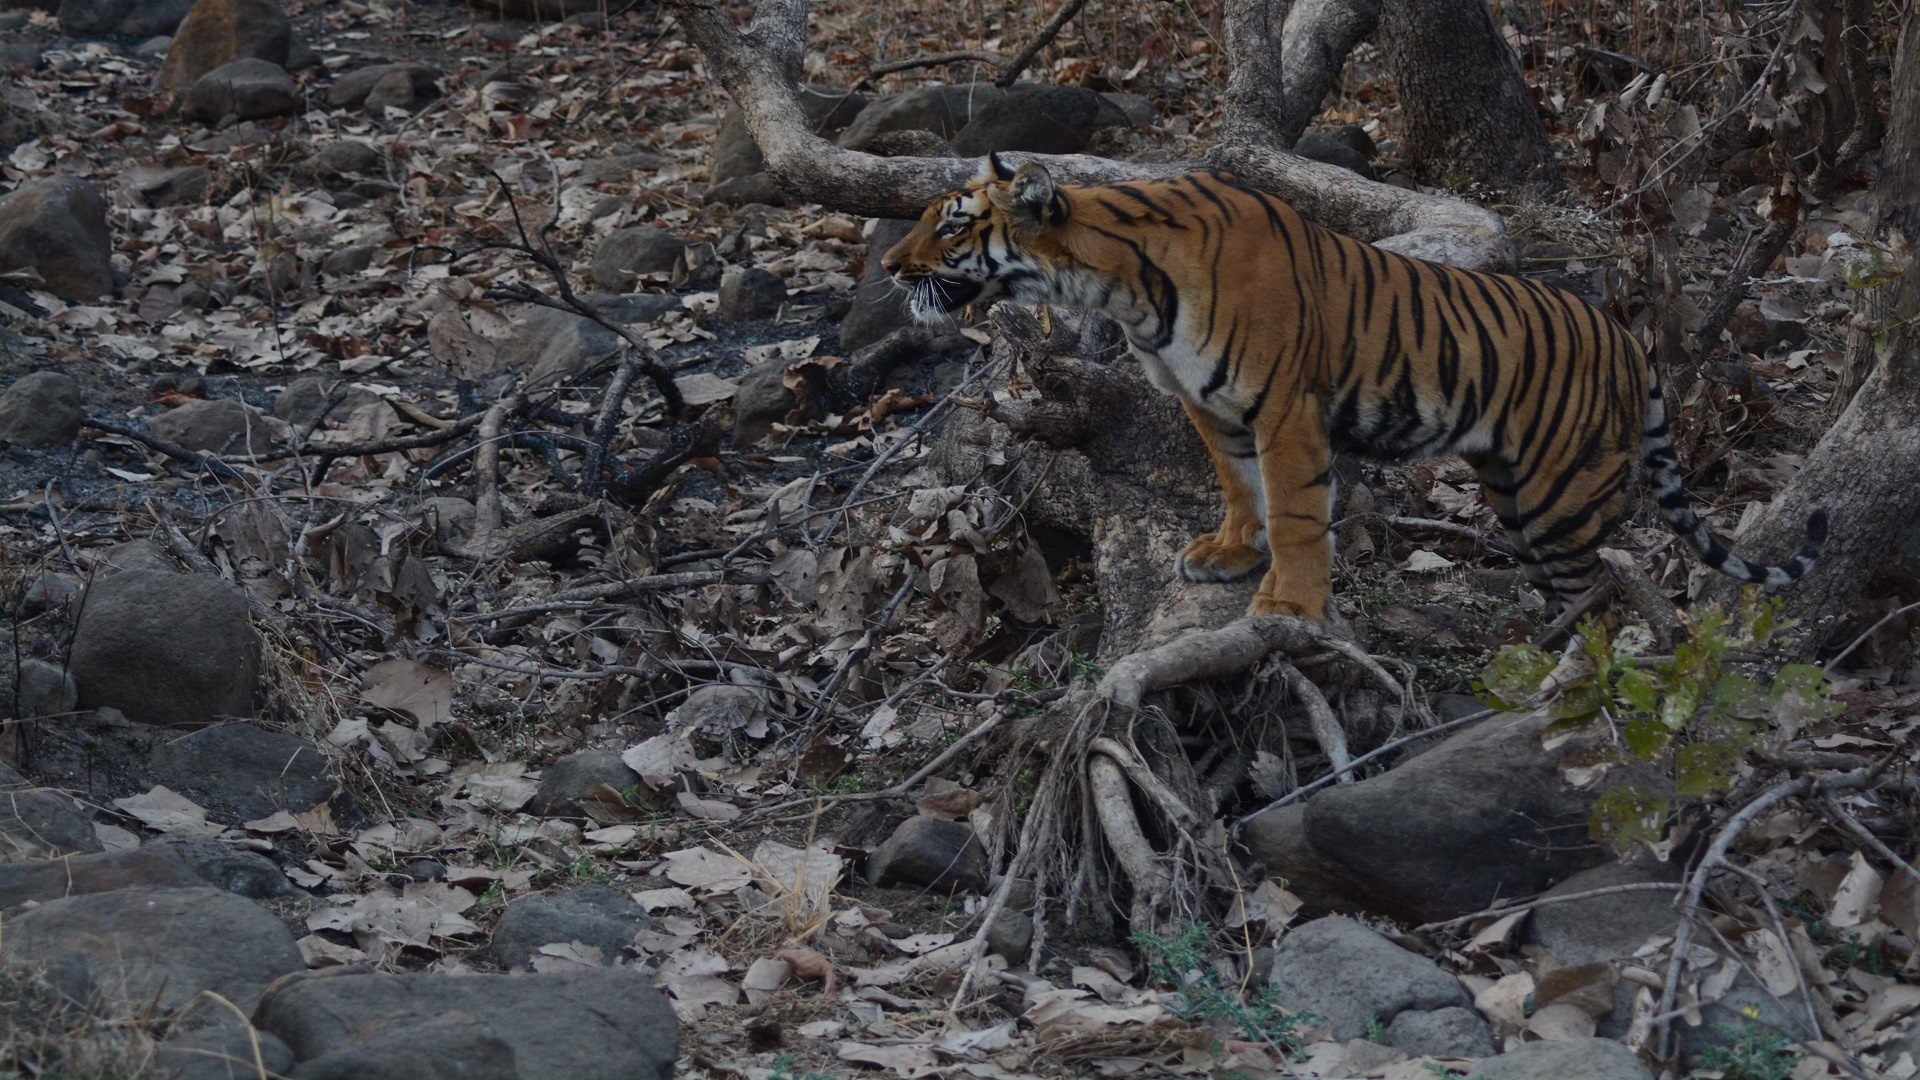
(890, 267)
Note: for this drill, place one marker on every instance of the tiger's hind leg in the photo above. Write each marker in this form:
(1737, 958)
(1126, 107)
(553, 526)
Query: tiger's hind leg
(1561, 521)
(1239, 546)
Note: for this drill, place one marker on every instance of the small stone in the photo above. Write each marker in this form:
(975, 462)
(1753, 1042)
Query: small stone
(44, 689)
(220, 426)
(308, 400)
(625, 254)
(218, 32)
(41, 409)
(590, 914)
(568, 780)
(751, 293)
(57, 228)
(20, 57)
(1347, 973)
(245, 89)
(232, 869)
(339, 157)
(943, 857)
(757, 188)
(165, 648)
(49, 590)
(171, 187)
(426, 870)
(41, 823)
(453, 520)
(1011, 937)
(351, 90)
(1332, 151)
(633, 308)
(222, 1053)
(149, 948)
(1455, 1031)
(347, 261)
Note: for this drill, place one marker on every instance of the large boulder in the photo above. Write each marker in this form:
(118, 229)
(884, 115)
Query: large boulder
(374, 87)
(1349, 974)
(602, 1024)
(41, 409)
(246, 770)
(623, 255)
(879, 307)
(168, 649)
(244, 89)
(150, 948)
(1040, 120)
(1587, 1059)
(136, 18)
(40, 823)
(595, 915)
(1485, 815)
(57, 228)
(942, 110)
(218, 32)
(828, 111)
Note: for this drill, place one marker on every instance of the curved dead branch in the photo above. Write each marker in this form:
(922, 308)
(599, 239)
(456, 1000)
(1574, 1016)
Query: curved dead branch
(760, 67)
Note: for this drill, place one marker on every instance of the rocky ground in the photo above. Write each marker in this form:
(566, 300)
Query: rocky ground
(410, 680)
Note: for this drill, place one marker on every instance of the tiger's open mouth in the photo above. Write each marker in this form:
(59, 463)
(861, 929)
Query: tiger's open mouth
(931, 296)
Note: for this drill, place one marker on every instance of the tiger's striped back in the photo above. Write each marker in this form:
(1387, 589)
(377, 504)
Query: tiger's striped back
(1285, 341)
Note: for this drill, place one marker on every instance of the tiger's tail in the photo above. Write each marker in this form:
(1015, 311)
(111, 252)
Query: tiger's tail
(1663, 468)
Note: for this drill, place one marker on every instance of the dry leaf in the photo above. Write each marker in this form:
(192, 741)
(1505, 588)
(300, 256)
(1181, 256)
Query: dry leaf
(1854, 902)
(407, 686)
(168, 812)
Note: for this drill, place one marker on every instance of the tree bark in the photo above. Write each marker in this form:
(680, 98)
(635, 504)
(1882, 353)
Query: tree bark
(759, 67)
(1466, 105)
(1863, 470)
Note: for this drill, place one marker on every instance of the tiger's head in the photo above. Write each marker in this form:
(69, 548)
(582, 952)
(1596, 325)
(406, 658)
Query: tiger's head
(981, 243)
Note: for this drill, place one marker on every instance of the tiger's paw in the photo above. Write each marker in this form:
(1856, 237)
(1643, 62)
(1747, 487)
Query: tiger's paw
(1265, 603)
(1210, 559)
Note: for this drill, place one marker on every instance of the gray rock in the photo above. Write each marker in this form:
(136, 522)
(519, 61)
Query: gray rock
(1347, 973)
(395, 90)
(751, 293)
(151, 866)
(48, 590)
(631, 308)
(246, 770)
(35, 688)
(762, 400)
(41, 823)
(350, 91)
(1606, 928)
(1587, 1059)
(348, 261)
(1038, 119)
(606, 1024)
(453, 520)
(169, 649)
(223, 1053)
(624, 254)
(1332, 151)
(171, 187)
(132, 555)
(1137, 108)
(235, 870)
(757, 189)
(566, 781)
(1356, 139)
(57, 228)
(220, 426)
(1454, 1031)
(20, 57)
(590, 914)
(1011, 937)
(1483, 815)
(1723, 1020)
(308, 400)
(136, 18)
(340, 157)
(879, 308)
(154, 48)
(553, 346)
(418, 1045)
(942, 110)
(828, 110)
(246, 89)
(934, 854)
(147, 948)
(41, 409)
(218, 32)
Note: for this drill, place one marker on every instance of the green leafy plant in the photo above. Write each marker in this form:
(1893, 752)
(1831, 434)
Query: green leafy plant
(1756, 1053)
(1695, 714)
(1181, 961)
(1376, 1029)
(783, 1070)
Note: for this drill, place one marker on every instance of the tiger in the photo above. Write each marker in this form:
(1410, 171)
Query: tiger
(1286, 342)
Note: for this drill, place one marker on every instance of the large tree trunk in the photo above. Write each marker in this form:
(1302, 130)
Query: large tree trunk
(1466, 106)
(1864, 470)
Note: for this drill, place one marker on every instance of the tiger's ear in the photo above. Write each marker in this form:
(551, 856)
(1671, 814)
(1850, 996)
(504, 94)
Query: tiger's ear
(1034, 198)
(994, 168)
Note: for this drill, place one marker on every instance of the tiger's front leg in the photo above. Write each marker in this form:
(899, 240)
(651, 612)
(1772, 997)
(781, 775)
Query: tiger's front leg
(1239, 546)
(1296, 471)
